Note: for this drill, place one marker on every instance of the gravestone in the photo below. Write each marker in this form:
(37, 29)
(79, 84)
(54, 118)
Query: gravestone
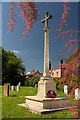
(6, 89)
(65, 89)
(19, 83)
(77, 94)
(9, 86)
(36, 85)
(12, 87)
(18, 88)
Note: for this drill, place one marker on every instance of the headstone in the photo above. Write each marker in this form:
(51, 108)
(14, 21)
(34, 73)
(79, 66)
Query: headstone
(36, 85)
(19, 83)
(12, 87)
(9, 86)
(6, 89)
(65, 89)
(77, 94)
(18, 88)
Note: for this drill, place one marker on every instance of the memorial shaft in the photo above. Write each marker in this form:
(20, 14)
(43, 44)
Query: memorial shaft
(46, 45)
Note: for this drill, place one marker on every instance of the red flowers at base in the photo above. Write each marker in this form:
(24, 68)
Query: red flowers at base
(51, 94)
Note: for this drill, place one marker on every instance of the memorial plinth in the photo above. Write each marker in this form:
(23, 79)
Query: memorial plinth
(41, 103)
(44, 85)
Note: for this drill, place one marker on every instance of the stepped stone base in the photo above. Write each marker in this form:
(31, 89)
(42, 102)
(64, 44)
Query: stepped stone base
(42, 105)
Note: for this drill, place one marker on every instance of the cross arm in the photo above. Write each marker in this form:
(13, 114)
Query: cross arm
(47, 18)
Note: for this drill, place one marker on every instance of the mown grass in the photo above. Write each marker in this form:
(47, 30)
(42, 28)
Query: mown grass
(11, 110)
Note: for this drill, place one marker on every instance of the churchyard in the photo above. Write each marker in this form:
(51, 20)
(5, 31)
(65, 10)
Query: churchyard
(10, 109)
(45, 100)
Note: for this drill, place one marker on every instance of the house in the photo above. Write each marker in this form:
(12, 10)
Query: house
(33, 73)
(56, 72)
(38, 74)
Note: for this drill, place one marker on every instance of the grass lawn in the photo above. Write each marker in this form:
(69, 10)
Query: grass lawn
(11, 110)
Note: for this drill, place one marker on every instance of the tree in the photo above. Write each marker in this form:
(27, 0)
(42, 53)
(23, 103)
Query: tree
(32, 81)
(71, 72)
(28, 14)
(71, 69)
(13, 70)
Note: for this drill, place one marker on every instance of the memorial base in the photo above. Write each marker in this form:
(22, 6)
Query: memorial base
(41, 103)
(44, 85)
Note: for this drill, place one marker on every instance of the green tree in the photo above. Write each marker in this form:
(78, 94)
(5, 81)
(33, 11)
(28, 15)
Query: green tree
(13, 71)
(32, 81)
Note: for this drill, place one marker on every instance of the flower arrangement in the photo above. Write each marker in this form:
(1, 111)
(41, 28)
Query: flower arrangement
(51, 94)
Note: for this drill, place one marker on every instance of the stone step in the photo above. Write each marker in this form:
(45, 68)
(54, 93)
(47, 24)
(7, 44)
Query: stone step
(41, 111)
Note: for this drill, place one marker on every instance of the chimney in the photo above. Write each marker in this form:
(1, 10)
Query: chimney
(49, 65)
(61, 62)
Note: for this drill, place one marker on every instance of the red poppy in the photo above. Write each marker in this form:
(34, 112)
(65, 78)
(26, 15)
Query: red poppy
(51, 94)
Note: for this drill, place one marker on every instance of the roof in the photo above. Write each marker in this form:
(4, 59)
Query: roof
(56, 68)
(32, 73)
(28, 73)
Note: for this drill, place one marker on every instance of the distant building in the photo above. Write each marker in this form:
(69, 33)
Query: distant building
(33, 73)
(56, 72)
(37, 74)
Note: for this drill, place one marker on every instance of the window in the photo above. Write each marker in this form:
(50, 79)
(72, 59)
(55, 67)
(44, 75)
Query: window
(57, 73)
(52, 73)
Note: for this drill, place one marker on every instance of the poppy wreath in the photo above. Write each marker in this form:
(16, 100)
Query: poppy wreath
(51, 94)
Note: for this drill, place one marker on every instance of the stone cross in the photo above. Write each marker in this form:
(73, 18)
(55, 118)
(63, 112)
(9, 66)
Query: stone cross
(46, 45)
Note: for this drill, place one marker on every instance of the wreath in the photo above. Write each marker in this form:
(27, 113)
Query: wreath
(51, 94)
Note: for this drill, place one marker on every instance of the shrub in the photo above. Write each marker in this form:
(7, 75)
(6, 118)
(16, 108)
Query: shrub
(58, 85)
(31, 81)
